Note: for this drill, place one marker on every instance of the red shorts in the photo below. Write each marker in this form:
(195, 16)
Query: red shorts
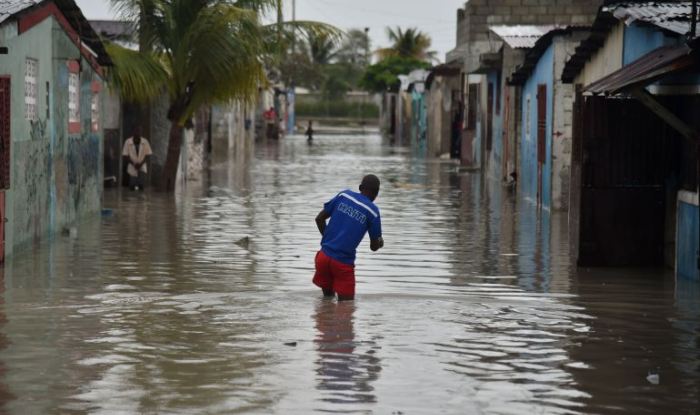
(334, 275)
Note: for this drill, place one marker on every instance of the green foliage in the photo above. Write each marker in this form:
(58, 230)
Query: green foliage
(409, 43)
(339, 109)
(320, 64)
(384, 75)
(200, 51)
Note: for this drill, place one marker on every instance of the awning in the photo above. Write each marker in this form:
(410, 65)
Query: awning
(649, 68)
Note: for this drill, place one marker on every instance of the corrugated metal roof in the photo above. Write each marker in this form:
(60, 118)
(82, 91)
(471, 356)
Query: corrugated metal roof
(533, 55)
(672, 16)
(645, 70)
(9, 8)
(522, 36)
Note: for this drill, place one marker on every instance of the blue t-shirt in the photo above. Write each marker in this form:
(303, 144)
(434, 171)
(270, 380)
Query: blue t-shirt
(352, 215)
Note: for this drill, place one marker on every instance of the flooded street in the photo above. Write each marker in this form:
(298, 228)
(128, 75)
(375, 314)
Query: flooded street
(202, 302)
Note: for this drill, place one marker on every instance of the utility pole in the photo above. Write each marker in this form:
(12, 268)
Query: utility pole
(291, 92)
(693, 21)
(364, 101)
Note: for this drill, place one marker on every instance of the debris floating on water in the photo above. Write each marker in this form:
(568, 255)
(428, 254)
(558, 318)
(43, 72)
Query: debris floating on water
(653, 378)
(244, 242)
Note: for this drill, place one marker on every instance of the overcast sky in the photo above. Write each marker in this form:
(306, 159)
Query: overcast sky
(438, 18)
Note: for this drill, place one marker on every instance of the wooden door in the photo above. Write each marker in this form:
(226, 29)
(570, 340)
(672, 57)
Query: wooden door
(4, 155)
(626, 156)
(489, 118)
(541, 138)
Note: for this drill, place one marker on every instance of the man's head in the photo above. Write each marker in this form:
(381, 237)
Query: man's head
(137, 132)
(370, 186)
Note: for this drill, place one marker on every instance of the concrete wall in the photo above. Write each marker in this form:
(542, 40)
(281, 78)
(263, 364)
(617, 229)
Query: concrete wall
(56, 176)
(477, 15)
(440, 113)
(562, 107)
(606, 60)
(542, 74)
(419, 123)
(687, 236)
(232, 130)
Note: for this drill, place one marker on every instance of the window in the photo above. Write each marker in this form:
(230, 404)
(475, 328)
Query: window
(73, 97)
(528, 114)
(95, 107)
(48, 100)
(31, 73)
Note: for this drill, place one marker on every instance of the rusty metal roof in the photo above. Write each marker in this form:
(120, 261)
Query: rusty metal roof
(521, 36)
(672, 16)
(11, 8)
(649, 68)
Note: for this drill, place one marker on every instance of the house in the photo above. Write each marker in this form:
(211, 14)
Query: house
(502, 128)
(51, 92)
(444, 110)
(635, 143)
(480, 48)
(546, 105)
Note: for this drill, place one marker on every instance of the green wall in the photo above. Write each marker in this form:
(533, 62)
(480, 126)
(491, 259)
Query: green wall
(56, 177)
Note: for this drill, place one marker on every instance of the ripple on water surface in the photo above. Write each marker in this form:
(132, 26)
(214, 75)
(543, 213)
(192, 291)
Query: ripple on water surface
(202, 303)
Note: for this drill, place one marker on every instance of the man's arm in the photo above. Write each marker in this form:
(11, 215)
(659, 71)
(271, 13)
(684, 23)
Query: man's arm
(321, 219)
(376, 244)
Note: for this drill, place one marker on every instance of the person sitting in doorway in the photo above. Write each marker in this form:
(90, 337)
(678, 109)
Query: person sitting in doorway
(137, 153)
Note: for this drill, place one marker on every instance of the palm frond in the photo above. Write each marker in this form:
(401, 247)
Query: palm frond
(137, 76)
(220, 57)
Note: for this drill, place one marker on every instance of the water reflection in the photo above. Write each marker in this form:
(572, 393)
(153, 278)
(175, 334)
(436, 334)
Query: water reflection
(5, 395)
(345, 372)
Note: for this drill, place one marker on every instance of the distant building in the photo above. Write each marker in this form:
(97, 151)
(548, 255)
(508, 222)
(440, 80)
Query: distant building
(51, 116)
(480, 50)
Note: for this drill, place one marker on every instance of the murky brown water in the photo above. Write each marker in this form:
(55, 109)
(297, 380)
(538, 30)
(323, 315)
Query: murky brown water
(467, 310)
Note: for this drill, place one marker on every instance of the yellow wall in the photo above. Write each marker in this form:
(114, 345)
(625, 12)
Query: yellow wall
(606, 60)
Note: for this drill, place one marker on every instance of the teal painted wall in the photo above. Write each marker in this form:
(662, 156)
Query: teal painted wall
(687, 242)
(56, 177)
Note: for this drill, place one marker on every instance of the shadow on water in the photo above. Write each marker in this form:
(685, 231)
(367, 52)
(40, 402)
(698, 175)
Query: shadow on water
(200, 302)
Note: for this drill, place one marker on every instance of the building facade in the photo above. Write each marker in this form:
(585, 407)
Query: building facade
(546, 106)
(53, 88)
(635, 163)
(481, 52)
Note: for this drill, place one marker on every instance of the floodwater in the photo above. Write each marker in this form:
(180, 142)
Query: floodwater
(201, 303)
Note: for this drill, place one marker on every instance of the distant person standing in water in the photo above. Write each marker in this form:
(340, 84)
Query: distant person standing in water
(137, 152)
(351, 215)
(310, 132)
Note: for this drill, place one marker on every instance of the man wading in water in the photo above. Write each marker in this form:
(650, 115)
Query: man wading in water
(351, 216)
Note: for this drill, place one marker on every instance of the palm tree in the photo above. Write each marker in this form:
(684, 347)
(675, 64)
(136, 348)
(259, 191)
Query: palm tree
(200, 52)
(411, 43)
(322, 49)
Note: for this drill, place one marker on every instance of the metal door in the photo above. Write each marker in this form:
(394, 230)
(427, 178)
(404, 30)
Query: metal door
(624, 155)
(4, 155)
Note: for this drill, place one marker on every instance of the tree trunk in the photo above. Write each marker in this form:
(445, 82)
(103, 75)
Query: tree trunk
(173, 158)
